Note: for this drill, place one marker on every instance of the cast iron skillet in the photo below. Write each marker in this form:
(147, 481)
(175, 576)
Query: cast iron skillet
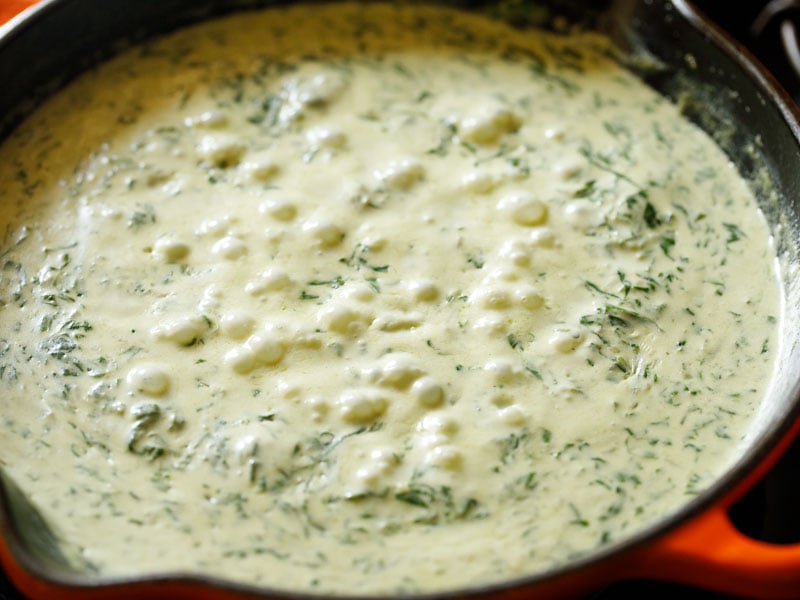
(674, 48)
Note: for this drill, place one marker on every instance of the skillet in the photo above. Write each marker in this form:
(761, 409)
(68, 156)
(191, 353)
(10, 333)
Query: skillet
(673, 47)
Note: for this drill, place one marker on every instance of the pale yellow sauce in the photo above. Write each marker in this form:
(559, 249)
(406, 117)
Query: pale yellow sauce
(367, 300)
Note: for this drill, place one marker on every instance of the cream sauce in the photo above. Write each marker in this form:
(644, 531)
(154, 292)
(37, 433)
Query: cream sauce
(372, 299)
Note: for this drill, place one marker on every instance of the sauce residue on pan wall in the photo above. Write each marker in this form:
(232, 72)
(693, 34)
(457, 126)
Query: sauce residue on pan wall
(372, 300)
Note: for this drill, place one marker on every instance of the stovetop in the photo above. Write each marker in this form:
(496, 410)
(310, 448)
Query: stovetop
(771, 510)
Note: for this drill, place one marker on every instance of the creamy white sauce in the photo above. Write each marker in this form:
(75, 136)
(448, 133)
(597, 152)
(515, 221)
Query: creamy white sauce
(372, 299)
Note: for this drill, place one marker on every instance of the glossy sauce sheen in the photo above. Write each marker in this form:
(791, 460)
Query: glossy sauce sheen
(372, 300)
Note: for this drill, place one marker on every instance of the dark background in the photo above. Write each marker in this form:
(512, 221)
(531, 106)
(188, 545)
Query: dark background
(771, 511)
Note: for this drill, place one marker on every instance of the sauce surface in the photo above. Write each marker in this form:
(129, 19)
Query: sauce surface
(372, 299)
